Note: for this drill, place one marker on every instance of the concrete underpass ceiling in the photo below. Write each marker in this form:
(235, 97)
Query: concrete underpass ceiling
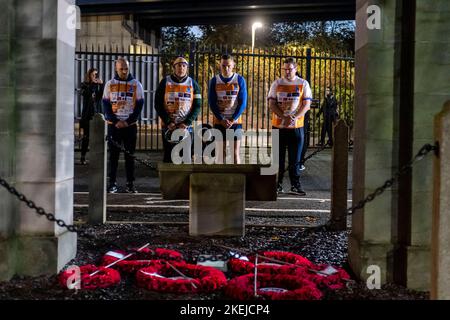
(157, 13)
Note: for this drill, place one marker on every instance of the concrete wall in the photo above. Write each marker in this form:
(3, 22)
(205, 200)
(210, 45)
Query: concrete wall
(116, 31)
(37, 127)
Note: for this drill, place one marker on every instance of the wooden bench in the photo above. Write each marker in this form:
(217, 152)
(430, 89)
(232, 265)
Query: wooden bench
(216, 194)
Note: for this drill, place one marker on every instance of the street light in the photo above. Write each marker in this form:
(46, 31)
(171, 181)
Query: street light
(254, 27)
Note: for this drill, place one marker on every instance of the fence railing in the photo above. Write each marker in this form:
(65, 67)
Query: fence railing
(259, 69)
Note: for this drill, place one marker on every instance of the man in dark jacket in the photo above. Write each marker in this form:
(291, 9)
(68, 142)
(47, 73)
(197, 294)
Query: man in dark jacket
(123, 99)
(330, 115)
(177, 101)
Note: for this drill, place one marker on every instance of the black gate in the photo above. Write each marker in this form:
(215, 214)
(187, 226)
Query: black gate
(259, 69)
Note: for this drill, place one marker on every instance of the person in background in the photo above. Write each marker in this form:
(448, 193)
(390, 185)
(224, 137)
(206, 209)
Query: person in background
(123, 99)
(330, 115)
(91, 91)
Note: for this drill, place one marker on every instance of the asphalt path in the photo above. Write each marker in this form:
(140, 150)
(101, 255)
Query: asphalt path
(148, 205)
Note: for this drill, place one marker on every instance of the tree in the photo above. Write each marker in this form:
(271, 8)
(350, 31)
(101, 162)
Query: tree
(231, 35)
(176, 40)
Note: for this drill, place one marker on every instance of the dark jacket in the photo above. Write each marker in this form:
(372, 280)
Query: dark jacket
(159, 101)
(329, 107)
(92, 97)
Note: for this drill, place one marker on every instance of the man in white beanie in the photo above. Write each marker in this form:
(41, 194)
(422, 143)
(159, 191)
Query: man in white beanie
(177, 101)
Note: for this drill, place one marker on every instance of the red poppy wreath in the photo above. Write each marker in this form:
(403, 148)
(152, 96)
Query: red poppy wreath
(139, 259)
(272, 287)
(160, 276)
(104, 278)
(239, 266)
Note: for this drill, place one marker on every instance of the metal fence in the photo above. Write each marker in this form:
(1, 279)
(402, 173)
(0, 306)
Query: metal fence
(259, 69)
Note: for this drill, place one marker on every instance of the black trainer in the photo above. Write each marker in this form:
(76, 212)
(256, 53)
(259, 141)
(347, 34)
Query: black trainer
(113, 188)
(131, 188)
(298, 190)
(280, 188)
(83, 160)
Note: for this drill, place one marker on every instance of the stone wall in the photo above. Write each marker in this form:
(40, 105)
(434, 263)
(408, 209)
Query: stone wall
(370, 240)
(377, 134)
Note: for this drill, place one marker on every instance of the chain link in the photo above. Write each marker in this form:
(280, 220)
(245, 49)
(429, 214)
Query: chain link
(315, 152)
(307, 158)
(50, 216)
(122, 148)
(39, 210)
(427, 148)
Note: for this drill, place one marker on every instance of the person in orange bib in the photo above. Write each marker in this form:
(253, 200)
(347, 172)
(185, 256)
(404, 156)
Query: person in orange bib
(227, 97)
(123, 100)
(178, 101)
(289, 99)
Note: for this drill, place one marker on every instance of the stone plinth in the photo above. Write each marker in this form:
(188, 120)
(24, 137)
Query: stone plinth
(217, 204)
(217, 193)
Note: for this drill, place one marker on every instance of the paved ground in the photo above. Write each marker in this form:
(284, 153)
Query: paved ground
(148, 206)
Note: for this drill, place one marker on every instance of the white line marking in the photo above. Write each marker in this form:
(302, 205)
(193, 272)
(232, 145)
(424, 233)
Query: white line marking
(308, 199)
(159, 197)
(125, 193)
(187, 207)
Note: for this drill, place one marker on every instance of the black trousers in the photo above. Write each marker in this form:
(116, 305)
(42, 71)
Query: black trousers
(85, 124)
(292, 140)
(128, 137)
(327, 129)
(306, 136)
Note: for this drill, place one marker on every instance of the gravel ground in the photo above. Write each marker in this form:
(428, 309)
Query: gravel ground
(318, 246)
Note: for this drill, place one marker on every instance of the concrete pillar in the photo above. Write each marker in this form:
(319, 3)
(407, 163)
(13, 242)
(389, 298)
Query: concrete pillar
(383, 232)
(97, 170)
(370, 240)
(440, 249)
(38, 99)
(7, 132)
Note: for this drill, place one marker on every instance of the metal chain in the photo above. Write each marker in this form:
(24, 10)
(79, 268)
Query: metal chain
(40, 211)
(315, 152)
(306, 158)
(427, 148)
(122, 148)
(323, 147)
(350, 143)
(50, 216)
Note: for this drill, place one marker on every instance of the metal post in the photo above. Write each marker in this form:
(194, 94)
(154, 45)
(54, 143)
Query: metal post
(192, 47)
(308, 65)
